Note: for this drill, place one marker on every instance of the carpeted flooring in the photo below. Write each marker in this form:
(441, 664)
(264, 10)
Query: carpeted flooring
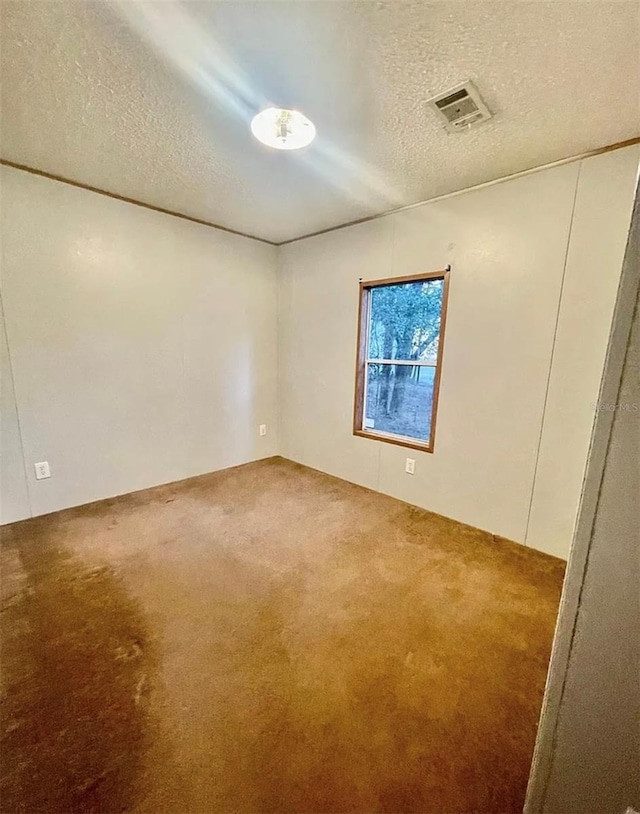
(269, 639)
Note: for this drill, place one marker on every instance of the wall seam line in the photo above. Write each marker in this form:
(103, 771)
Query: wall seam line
(279, 388)
(553, 352)
(15, 402)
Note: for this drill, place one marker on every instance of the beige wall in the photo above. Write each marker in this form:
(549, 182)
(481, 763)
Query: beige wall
(587, 755)
(143, 347)
(14, 498)
(518, 383)
(594, 260)
(596, 761)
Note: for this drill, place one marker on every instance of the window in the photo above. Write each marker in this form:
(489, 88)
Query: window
(400, 339)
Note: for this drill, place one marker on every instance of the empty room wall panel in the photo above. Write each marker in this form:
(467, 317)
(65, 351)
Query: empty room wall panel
(14, 498)
(508, 246)
(601, 221)
(143, 346)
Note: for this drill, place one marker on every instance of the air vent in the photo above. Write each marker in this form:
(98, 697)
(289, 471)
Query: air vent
(460, 107)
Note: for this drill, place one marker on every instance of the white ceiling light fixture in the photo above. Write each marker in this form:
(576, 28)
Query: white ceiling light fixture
(283, 129)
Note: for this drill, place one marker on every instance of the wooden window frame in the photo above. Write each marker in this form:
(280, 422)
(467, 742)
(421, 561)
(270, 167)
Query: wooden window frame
(364, 311)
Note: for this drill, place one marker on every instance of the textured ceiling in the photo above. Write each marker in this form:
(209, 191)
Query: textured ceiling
(153, 100)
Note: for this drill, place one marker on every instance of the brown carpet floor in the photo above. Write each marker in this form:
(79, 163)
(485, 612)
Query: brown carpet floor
(269, 639)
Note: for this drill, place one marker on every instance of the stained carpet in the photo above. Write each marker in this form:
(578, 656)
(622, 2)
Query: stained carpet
(269, 639)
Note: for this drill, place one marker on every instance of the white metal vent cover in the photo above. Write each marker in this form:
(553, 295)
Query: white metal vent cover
(460, 107)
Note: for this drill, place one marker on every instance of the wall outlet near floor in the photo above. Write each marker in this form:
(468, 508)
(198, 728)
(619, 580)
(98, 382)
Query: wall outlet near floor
(263, 429)
(42, 470)
(410, 466)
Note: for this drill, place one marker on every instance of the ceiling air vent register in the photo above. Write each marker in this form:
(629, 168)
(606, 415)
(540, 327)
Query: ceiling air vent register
(461, 107)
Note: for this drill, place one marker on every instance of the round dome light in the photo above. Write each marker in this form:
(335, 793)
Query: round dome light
(283, 129)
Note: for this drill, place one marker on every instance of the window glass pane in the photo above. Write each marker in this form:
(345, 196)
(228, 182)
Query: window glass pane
(399, 399)
(405, 321)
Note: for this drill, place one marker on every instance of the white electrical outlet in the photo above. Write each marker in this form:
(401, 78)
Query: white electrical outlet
(42, 470)
(263, 429)
(410, 466)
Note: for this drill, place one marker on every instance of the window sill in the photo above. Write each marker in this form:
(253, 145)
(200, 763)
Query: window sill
(398, 440)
